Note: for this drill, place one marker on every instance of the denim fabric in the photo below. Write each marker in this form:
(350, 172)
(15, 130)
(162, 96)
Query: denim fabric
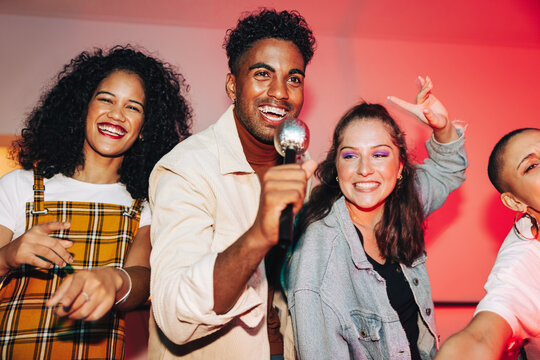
(338, 303)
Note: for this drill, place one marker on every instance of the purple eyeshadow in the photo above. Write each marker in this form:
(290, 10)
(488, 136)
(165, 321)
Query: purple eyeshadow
(382, 153)
(345, 154)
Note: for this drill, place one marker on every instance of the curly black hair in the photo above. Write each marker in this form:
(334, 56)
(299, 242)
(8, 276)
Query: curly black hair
(52, 139)
(399, 234)
(265, 24)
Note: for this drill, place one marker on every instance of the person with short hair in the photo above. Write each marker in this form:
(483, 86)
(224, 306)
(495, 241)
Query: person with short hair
(216, 201)
(509, 314)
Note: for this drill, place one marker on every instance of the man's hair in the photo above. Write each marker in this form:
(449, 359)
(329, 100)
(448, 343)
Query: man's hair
(267, 24)
(496, 159)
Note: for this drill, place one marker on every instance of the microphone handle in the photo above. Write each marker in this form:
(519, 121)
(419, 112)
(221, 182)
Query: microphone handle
(286, 220)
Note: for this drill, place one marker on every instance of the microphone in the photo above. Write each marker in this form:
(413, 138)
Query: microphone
(290, 139)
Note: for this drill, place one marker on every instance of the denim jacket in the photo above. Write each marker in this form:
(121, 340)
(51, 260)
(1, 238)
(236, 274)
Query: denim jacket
(339, 304)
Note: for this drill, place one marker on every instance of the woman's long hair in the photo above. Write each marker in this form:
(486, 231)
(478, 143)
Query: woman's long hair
(399, 234)
(53, 136)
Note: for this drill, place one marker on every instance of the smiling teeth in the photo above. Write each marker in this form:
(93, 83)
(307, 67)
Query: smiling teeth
(365, 185)
(273, 110)
(112, 129)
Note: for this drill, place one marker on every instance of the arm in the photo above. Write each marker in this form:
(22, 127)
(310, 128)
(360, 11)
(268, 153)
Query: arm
(187, 261)
(317, 331)
(281, 185)
(34, 246)
(484, 338)
(444, 170)
(105, 286)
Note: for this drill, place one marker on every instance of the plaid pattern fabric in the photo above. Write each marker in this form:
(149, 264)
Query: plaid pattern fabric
(102, 234)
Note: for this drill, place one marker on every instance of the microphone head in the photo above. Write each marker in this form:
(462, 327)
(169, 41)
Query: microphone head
(291, 134)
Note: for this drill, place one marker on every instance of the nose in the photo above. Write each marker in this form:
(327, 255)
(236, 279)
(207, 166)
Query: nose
(278, 89)
(364, 166)
(116, 113)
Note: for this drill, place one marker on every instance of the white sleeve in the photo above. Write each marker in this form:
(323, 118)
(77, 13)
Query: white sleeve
(10, 204)
(513, 288)
(146, 215)
(182, 260)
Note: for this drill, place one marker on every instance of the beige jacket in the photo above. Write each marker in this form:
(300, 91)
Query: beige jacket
(204, 195)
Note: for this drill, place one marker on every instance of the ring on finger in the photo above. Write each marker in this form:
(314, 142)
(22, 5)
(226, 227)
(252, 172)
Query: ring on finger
(86, 296)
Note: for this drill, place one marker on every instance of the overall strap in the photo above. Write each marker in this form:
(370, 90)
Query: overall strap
(135, 208)
(39, 195)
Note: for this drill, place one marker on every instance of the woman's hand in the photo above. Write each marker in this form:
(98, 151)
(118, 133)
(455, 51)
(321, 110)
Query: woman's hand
(429, 110)
(88, 294)
(35, 247)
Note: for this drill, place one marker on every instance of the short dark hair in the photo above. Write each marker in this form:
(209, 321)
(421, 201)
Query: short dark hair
(266, 24)
(53, 136)
(496, 159)
(399, 234)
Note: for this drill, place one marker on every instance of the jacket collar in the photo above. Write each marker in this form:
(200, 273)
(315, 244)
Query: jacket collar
(358, 254)
(231, 155)
(347, 227)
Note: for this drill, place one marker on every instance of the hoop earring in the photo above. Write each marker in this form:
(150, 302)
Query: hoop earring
(533, 221)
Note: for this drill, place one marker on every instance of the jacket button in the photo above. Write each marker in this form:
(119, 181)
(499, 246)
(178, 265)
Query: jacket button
(415, 281)
(428, 311)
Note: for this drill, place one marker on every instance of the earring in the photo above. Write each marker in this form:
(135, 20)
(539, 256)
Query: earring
(400, 177)
(337, 179)
(533, 221)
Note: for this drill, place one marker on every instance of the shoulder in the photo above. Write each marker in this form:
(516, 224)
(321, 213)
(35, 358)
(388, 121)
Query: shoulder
(16, 176)
(194, 145)
(192, 152)
(313, 253)
(17, 181)
(517, 252)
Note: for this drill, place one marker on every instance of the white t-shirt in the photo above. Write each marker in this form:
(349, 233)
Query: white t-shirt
(16, 189)
(513, 286)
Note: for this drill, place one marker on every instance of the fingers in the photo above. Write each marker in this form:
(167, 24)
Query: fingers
(425, 89)
(402, 103)
(54, 250)
(36, 247)
(60, 292)
(281, 185)
(309, 168)
(416, 110)
(49, 248)
(436, 121)
(49, 227)
(87, 295)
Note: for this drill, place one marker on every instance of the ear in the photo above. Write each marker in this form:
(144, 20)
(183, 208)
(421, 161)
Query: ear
(400, 169)
(510, 201)
(230, 86)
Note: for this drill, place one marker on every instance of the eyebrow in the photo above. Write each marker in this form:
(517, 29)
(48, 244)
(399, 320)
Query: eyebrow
(110, 93)
(525, 159)
(270, 68)
(372, 147)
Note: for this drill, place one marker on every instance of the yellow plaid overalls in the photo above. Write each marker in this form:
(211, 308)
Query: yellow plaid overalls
(101, 235)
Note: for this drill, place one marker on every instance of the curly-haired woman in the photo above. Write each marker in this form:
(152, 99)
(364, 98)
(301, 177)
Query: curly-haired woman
(74, 222)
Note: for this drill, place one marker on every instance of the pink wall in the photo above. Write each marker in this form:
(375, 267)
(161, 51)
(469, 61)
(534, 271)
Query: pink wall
(494, 89)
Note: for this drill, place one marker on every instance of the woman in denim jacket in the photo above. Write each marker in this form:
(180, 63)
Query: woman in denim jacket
(357, 285)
